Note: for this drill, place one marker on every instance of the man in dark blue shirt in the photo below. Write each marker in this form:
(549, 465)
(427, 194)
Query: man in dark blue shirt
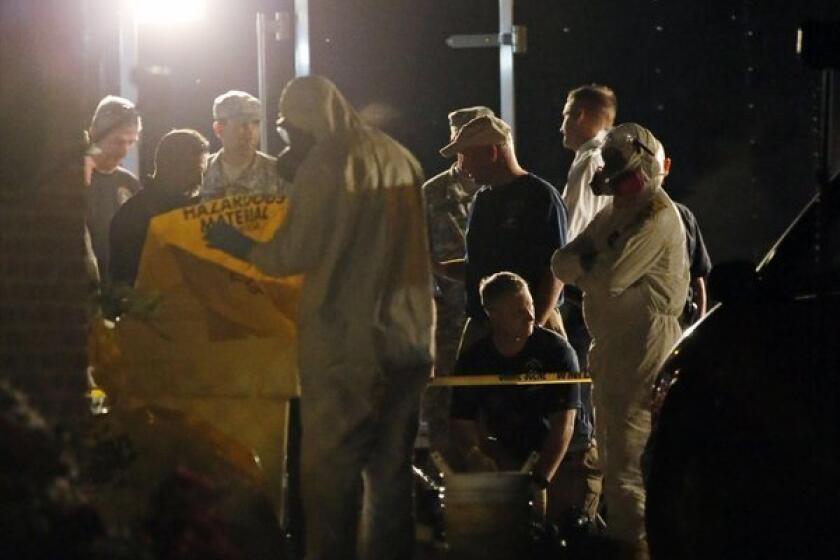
(498, 427)
(180, 161)
(515, 223)
(699, 267)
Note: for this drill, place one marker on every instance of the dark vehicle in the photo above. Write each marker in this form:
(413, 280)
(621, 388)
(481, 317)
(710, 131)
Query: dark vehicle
(742, 462)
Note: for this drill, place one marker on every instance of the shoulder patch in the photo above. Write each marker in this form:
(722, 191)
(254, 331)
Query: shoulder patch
(123, 194)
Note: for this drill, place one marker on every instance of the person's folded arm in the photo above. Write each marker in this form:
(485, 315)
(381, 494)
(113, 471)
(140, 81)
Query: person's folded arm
(636, 256)
(569, 263)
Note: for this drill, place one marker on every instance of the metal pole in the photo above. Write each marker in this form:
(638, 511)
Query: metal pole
(302, 63)
(128, 61)
(506, 76)
(262, 80)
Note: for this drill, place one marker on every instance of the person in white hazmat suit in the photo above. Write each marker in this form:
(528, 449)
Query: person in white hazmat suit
(630, 263)
(356, 229)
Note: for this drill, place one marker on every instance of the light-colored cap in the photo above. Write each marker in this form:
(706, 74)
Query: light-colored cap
(482, 131)
(237, 105)
(460, 117)
(113, 112)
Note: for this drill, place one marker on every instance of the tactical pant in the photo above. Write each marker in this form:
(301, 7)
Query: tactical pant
(576, 486)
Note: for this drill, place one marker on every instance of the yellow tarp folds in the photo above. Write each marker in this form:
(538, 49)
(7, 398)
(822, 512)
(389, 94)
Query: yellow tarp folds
(221, 328)
(220, 343)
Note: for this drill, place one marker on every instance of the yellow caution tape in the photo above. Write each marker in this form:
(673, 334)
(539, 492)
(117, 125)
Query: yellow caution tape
(511, 379)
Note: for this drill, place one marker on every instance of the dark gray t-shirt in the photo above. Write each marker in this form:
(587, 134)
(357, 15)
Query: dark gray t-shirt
(108, 191)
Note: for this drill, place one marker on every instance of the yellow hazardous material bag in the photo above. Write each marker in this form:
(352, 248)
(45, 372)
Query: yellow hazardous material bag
(219, 341)
(220, 328)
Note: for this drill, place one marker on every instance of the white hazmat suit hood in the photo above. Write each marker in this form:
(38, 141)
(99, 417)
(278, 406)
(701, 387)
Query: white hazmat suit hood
(356, 230)
(631, 264)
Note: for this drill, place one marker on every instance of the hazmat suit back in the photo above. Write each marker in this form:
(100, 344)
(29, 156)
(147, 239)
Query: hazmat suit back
(356, 230)
(631, 264)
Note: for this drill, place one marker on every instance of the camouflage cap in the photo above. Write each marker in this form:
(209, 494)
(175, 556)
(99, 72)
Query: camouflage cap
(237, 104)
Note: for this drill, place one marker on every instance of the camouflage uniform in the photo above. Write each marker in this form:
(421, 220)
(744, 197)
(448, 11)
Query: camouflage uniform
(448, 196)
(259, 177)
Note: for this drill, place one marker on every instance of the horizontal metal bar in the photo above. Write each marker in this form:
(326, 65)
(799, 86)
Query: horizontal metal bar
(482, 40)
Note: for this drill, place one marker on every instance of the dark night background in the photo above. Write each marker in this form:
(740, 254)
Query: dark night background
(718, 82)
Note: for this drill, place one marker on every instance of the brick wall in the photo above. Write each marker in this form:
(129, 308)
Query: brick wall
(43, 287)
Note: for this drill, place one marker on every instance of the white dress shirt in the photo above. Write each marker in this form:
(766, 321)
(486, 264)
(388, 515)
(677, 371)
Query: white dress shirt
(580, 201)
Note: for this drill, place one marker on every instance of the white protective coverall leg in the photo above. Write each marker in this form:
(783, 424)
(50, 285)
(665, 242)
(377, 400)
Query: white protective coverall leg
(631, 265)
(356, 229)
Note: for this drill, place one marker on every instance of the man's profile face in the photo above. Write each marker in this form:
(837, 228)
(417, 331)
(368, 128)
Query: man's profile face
(512, 316)
(114, 147)
(572, 126)
(477, 162)
(240, 135)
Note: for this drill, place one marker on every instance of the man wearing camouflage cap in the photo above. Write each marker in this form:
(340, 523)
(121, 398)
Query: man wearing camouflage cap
(448, 197)
(239, 168)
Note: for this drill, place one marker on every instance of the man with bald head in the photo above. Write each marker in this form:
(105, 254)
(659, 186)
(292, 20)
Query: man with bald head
(180, 161)
(516, 222)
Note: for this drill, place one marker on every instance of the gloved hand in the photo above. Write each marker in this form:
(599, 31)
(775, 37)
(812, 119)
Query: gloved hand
(227, 238)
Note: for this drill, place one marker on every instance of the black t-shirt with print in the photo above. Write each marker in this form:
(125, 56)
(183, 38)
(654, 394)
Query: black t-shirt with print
(517, 416)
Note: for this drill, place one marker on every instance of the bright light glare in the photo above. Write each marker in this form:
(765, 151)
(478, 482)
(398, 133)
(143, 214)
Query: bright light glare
(169, 11)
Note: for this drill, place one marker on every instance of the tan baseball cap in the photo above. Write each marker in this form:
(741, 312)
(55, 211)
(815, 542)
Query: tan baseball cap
(481, 131)
(460, 117)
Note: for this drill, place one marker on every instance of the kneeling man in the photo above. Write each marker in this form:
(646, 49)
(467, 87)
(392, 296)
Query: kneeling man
(499, 427)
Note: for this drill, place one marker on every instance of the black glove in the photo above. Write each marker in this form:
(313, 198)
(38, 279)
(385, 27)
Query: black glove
(227, 238)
